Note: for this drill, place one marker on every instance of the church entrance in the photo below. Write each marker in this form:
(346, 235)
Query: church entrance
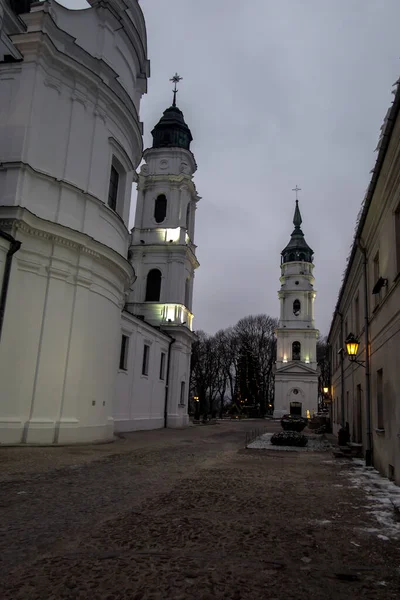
(295, 409)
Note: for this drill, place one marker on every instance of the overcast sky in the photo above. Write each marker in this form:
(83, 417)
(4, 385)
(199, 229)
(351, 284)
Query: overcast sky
(276, 93)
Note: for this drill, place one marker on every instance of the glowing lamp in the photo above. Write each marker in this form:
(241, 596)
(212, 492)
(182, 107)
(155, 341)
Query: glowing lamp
(326, 390)
(351, 346)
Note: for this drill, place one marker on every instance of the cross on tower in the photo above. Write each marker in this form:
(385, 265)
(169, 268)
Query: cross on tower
(175, 79)
(296, 189)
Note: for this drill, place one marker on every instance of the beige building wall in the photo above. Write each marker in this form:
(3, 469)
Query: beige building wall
(379, 233)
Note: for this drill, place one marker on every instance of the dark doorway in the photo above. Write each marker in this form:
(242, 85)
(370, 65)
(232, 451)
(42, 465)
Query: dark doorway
(295, 409)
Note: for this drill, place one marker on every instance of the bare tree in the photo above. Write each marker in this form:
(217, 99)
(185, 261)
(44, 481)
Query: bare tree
(236, 364)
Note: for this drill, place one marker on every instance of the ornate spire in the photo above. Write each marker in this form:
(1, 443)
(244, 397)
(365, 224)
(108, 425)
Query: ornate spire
(297, 220)
(297, 249)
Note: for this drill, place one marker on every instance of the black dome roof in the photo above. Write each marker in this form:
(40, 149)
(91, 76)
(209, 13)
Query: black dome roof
(171, 130)
(297, 249)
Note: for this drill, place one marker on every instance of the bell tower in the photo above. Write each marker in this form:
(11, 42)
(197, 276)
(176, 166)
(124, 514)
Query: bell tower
(162, 248)
(296, 372)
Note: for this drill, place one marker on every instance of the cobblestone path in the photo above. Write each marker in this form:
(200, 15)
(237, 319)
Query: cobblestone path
(186, 515)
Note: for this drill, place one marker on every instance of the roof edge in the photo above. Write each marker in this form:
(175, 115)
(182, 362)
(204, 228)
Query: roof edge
(383, 145)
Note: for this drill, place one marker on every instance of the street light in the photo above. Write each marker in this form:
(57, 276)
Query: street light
(352, 346)
(326, 390)
(196, 408)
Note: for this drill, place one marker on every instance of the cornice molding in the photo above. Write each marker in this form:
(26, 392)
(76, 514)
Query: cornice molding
(80, 242)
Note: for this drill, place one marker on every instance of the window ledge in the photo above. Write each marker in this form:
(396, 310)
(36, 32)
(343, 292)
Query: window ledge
(181, 405)
(123, 371)
(380, 431)
(144, 376)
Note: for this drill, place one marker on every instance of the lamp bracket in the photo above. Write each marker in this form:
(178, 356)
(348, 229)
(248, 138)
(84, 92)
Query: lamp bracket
(361, 363)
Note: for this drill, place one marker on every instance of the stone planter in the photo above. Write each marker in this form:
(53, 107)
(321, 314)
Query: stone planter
(290, 423)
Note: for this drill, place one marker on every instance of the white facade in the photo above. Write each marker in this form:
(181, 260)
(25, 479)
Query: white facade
(296, 374)
(70, 89)
(166, 245)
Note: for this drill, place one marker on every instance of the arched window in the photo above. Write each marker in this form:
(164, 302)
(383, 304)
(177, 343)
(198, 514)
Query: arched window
(296, 307)
(160, 208)
(302, 256)
(296, 350)
(153, 286)
(292, 257)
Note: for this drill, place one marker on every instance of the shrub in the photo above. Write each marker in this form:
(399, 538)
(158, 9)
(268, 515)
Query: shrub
(289, 438)
(293, 423)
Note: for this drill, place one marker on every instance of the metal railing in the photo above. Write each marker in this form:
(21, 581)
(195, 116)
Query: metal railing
(254, 434)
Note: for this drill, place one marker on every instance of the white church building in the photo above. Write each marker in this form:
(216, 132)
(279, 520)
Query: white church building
(296, 371)
(95, 321)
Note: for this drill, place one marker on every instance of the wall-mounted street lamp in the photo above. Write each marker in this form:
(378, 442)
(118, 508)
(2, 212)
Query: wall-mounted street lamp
(326, 390)
(352, 346)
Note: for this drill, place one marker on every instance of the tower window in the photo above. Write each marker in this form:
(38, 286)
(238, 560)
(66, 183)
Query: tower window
(296, 351)
(153, 286)
(296, 307)
(113, 188)
(302, 256)
(160, 208)
(292, 257)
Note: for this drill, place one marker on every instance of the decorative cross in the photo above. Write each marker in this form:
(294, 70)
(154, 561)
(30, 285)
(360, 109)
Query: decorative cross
(175, 79)
(296, 189)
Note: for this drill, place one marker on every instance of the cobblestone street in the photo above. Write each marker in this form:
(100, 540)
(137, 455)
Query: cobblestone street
(183, 514)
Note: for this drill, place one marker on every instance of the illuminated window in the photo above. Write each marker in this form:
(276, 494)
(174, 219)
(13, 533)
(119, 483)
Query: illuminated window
(296, 307)
(145, 362)
(160, 208)
(296, 351)
(162, 365)
(153, 286)
(123, 357)
(113, 188)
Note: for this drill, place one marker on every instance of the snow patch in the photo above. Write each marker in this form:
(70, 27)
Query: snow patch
(315, 444)
(382, 495)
